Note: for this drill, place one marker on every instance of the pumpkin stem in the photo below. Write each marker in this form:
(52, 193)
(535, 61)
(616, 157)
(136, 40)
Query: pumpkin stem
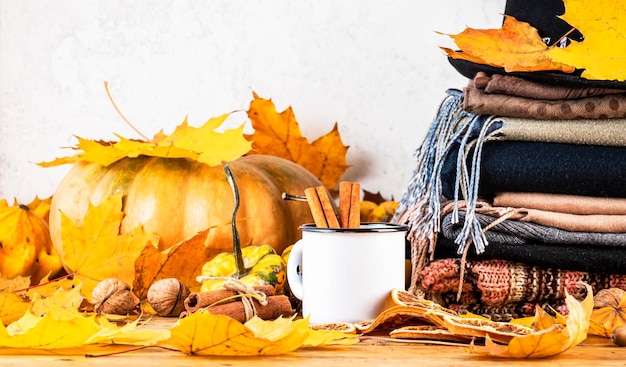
(241, 268)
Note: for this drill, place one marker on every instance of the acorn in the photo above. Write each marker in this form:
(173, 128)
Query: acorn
(112, 296)
(167, 296)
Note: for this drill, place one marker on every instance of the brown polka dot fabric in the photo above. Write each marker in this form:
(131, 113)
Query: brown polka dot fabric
(505, 95)
(597, 107)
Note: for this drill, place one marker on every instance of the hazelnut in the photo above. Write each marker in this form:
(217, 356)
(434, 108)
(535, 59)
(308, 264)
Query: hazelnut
(112, 296)
(618, 337)
(167, 296)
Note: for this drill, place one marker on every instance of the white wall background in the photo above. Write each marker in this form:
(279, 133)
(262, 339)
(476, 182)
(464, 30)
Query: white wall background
(372, 66)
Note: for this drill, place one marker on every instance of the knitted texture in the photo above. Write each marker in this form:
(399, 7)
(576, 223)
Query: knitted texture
(505, 285)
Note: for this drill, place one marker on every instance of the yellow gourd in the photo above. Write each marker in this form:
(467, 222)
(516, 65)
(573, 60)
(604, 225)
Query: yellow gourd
(25, 245)
(265, 268)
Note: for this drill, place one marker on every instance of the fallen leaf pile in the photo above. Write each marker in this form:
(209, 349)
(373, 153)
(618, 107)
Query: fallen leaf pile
(53, 320)
(517, 46)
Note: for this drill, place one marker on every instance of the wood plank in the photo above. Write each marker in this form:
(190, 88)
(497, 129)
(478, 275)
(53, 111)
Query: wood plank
(594, 351)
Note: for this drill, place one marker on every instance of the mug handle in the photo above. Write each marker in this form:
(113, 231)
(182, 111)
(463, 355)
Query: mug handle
(293, 276)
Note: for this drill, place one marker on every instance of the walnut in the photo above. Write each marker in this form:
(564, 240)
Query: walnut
(112, 296)
(608, 298)
(167, 296)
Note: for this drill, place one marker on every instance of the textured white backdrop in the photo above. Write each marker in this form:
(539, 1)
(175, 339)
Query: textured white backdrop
(372, 66)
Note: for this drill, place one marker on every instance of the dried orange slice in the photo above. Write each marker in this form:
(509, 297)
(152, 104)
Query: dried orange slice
(393, 318)
(428, 332)
(501, 332)
(345, 327)
(404, 298)
(433, 312)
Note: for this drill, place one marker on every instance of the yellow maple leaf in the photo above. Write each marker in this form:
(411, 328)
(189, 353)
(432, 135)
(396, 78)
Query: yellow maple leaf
(13, 298)
(516, 46)
(550, 336)
(55, 322)
(279, 134)
(203, 333)
(204, 144)
(47, 287)
(55, 325)
(130, 333)
(602, 54)
(278, 328)
(62, 304)
(94, 250)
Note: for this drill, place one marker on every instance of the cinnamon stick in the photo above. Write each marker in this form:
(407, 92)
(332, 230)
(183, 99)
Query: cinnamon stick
(345, 192)
(316, 207)
(328, 207)
(276, 307)
(354, 220)
(349, 204)
(198, 300)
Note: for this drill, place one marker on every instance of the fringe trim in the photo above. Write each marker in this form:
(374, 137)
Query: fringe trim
(420, 205)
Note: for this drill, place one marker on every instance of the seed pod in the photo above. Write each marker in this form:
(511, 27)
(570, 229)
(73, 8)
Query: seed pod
(167, 296)
(112, 296)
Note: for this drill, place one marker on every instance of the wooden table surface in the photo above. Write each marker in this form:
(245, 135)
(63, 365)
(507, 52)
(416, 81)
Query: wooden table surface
(593, 352)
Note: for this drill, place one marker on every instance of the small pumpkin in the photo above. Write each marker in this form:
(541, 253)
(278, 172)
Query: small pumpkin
(176, 198)
(265, 267)
(25, 245)
(372, 212)
(609, 312)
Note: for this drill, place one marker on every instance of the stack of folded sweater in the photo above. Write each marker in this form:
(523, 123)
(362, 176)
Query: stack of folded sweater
(518, 195)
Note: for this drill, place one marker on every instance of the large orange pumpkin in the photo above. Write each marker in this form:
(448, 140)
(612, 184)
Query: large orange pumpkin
(176, 198)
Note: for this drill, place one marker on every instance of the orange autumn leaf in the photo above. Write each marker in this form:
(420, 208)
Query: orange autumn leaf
(182, 261)
(602, 54)
(549, 336)
(94, 249)
(515, 47)
(279, 134)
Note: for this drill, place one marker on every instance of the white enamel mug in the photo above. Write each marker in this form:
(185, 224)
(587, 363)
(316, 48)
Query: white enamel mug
(346, 274)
